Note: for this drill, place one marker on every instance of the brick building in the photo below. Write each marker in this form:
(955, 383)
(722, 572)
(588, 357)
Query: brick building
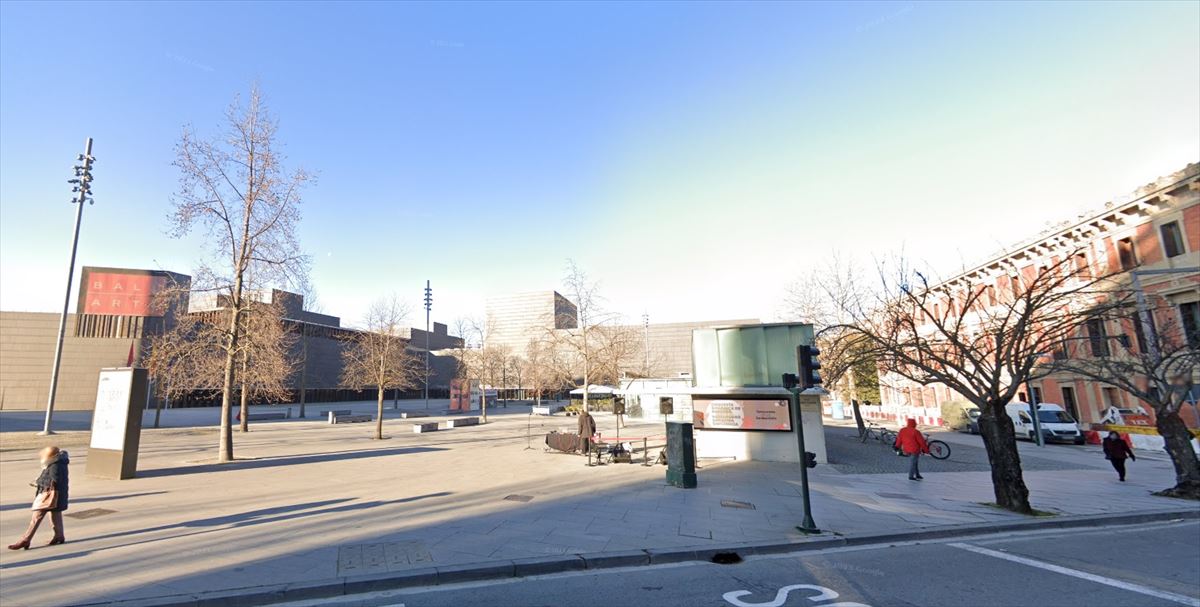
(1156, 227)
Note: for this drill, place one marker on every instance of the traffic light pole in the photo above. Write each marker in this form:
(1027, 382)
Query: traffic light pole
(808, 525)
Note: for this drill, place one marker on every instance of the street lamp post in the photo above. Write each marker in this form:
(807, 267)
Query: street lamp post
(428, 307)
(83, 189)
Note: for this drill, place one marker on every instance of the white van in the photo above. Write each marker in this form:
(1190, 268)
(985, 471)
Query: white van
(1056, 423)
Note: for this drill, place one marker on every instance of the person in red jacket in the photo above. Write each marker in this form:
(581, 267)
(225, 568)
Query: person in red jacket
(912, 443)
(1115, 451)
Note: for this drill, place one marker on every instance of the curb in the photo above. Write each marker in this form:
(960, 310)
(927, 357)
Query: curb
(257, 596)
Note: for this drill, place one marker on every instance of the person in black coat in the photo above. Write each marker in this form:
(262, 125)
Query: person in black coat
(1116, 450)
(55, 477)
(587, 429)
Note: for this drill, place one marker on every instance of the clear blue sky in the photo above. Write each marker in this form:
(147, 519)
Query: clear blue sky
(692, 157)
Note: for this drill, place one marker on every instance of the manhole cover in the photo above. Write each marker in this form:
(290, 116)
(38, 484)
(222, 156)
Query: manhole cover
(518, 498)
(737, 504)
(899, 496)
(90, 513)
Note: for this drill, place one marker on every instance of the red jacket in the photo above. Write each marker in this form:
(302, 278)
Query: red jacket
(910, 440)
(1117, 449)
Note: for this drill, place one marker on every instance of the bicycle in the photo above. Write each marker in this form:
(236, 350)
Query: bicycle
(878, 433)
(937, 449)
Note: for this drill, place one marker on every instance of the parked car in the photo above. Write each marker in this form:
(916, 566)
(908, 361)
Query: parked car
(1056, 424)
(970, 422)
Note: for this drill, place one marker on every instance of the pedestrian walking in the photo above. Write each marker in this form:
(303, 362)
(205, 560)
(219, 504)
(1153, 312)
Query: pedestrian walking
(1115, 451)
(912, 443)
(52, 497)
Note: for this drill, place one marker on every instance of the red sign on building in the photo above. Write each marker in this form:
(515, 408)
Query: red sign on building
(119, 293)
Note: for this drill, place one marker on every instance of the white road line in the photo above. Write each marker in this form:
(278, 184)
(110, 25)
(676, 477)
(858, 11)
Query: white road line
(1083, 575)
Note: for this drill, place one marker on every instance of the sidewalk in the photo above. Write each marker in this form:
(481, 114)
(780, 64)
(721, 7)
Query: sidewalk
(317, 502)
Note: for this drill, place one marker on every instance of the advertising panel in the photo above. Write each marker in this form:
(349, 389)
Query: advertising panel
(119, 293)
(740, 414)
(112, 409)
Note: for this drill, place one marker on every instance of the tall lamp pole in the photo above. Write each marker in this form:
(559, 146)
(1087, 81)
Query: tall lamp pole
(428, 307)
(83, 190)
(645, 345)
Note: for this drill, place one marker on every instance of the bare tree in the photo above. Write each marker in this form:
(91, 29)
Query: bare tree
(582, 345)
(235, 190)
(982, 340)
(1159, 367)
(515, 366)
(544, 369)
(264, 356)
(824, 298)
(378, 356)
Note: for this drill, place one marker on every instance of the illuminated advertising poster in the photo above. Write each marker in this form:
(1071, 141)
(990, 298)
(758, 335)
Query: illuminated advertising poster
(737, 414)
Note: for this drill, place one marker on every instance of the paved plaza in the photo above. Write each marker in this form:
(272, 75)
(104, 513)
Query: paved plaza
(308, 501)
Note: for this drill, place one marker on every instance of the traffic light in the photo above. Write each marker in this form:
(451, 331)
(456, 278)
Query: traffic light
(618, 405)
(790, 380)
(810, 459)
(810, 375)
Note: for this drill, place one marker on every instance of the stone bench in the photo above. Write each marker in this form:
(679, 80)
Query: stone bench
(426, 427)
(461, 422)
(337, 412)
(349, 419)
(547, 409)
(258, 417)
(412, 414)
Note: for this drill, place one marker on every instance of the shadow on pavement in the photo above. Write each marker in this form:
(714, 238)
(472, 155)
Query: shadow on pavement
(222, 523)
(271, 462)
(83, 500)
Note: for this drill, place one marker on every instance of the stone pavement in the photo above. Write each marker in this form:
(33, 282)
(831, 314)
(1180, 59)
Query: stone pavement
(313, 502)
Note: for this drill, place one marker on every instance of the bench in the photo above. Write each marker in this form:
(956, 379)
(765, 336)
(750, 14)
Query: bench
(337, 412)
(461, 422)
(546, 409)
(426, 427)
(412, 414)
(258, 417)
(349, 419)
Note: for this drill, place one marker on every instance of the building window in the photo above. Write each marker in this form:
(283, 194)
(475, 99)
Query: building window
(1069, 402)
(1127, 254)
(1190, 316)
(1081, 266)
(1112, 397)
(1097, 337)
(1140, 331)
(1172, 239)
(1037, 395)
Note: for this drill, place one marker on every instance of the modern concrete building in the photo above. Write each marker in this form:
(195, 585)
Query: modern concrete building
(513, 320)
(117, 317)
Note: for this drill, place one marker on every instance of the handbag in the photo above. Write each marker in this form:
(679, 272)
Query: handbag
(45, 500)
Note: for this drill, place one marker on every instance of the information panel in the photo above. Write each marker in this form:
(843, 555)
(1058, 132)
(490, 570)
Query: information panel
(112, 409)
(739, 414)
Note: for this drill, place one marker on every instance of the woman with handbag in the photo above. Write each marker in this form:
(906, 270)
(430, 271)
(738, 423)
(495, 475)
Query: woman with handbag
(53, 488)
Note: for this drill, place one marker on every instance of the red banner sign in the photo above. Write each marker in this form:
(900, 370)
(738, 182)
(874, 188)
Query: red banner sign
(120, 294)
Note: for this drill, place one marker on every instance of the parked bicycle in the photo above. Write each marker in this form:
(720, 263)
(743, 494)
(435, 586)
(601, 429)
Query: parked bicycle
(878, 433)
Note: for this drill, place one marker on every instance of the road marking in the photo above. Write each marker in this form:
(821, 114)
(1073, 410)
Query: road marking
(1083, 575)
(823, 594)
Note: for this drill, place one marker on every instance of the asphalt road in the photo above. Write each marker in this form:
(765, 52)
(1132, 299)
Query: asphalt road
(1134, 566)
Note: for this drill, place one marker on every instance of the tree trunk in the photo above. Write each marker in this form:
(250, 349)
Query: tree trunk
(999, 440)
(379, 414)
(1178, 442)
(303, 367)
(225, 448)
(245, 413)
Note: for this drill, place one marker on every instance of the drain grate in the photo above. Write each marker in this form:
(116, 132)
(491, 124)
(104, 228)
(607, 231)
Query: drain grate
(737, 504)
(518, 498)
(90, 513)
